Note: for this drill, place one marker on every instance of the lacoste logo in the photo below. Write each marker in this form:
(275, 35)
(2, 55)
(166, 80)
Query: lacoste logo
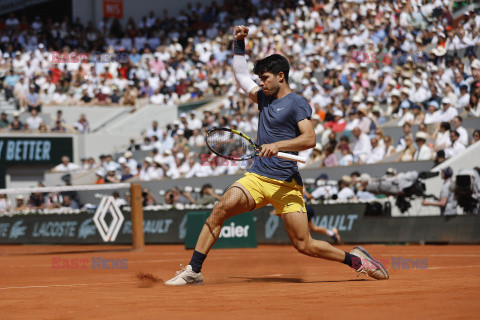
(278, 109)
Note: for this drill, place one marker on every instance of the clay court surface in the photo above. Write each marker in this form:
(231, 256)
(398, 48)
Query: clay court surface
(271, 282)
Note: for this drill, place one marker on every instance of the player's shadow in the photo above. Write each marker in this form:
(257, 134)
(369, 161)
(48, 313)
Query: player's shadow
(288, 280)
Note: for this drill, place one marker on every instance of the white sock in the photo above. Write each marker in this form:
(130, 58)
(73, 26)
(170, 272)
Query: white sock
(330, 232)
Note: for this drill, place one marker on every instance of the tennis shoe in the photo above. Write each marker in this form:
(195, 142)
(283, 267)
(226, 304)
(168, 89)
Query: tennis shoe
(185, 276)
(370, 266)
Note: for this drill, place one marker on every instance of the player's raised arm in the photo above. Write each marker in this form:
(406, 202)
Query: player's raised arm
(240, 66)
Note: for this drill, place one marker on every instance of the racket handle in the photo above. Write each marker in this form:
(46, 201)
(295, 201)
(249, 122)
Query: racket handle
(292, 157)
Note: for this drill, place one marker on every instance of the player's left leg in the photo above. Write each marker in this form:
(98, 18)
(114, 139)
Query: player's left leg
(296, 225)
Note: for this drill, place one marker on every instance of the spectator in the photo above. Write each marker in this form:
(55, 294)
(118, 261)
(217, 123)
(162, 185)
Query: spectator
(66, 166)
(207, 196)
(439, 158)
(442, 136)
(82, 124)
(409, 151)
(330, 158)
(58, 127)
(361, 146)
(33, 120)
(431, 114)
(345, 192)
(377, 152)
(5, 204)
(3, 121)
(33, 101)
(389, 149)
(347, 157)
(423, 150)
(407, 130)
(457, 125)
(100, 174)
(456, 146)
(475, 136)
(68, 202)
(20, 206)
(447, 113)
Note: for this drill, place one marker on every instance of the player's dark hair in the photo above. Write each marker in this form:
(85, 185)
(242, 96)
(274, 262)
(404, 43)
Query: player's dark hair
(275, 64)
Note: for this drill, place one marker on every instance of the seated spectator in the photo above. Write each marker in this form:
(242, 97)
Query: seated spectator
(111, 176)
(118, 200)
(457, 126)
(58, 127)
(82, 124)
(66, 165)
(207, 196)
(456, 147)
(347, 157)
(407, 130)
(446, 113)
(442, 136)
(361, 146)
(345, 192)
(43, 128)
(377, 152)
(33, 101)
(423, 150)
(16, 124)
(68, 202)
(34, 120)
(100, 174)
(5, 204)
(20, 205)
(389, 149)
(362, 192)
(330, 158)
(409, 151)
(3, 121)
(431, 115)
(338, 124)
(475, 136)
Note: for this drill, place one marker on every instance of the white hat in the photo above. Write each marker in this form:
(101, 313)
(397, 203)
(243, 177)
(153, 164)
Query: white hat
(112, 167)
(416, 81)
(128, 154)
(356, 99)
(439, 51)
(180, 132)
(395, 92)
(421, 135)
(475, 64)
(391, 171)
(183, 115)
(364, 177)
(446, 101)
(122, 160)
(392, 83)
(20, 197)
(370, 99)
(407, 83)
(363, 108)
(148, 159)
(406, 91)
(100, 172)
(338, 113)
(167, 151)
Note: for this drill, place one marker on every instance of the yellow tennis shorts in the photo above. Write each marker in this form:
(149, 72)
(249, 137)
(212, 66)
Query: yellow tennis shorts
(284, 196)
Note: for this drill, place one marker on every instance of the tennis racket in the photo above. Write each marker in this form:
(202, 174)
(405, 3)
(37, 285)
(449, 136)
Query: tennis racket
(234, 145)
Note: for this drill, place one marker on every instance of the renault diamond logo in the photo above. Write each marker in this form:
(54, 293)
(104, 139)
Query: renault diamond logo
(108, 233)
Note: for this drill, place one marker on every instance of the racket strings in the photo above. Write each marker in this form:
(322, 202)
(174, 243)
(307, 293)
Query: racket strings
(230, 145)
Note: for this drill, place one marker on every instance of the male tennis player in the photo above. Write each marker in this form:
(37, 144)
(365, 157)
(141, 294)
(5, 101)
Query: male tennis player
(284, 125)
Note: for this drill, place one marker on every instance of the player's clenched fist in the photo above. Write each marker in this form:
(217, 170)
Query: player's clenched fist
(241, 32)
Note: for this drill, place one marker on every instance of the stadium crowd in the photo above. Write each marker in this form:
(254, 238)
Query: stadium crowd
(362, 65)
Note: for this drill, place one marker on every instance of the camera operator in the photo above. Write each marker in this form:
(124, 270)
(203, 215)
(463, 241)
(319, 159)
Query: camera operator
(207, 196)
(447, 203)
(175, 196)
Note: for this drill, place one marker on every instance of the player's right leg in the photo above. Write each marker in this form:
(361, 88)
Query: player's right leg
(236, 200)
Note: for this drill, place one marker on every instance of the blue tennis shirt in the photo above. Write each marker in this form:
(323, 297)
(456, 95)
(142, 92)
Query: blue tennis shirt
(278, 120)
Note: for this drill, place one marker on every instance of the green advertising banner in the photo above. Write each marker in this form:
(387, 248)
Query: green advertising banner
(29, 150)
(237, 232)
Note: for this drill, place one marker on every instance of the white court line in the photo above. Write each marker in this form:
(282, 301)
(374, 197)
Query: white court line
(66, 285)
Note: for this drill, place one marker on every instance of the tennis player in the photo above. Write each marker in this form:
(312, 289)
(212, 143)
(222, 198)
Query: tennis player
(284, 125)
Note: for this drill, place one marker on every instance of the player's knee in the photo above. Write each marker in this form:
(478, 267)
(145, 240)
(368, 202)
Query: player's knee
(301, 245)
(218, 215)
